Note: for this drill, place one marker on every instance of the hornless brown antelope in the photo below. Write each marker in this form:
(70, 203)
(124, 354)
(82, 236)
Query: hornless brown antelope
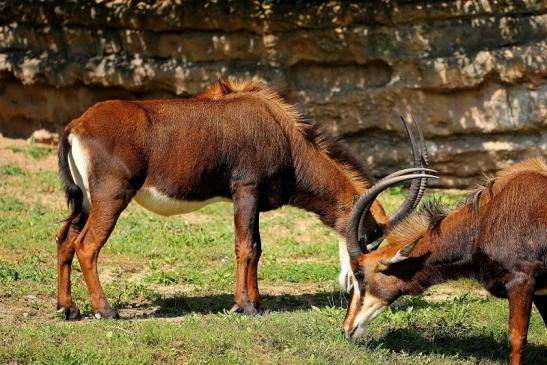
(237, 141)
(498, 237)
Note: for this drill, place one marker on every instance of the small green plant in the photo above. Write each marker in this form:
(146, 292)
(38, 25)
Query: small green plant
(8, 272)
(12, 170)
(11, 204)
(395, 191)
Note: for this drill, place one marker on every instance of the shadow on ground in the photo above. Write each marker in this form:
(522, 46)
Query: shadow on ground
(427, 342)
(180, 305)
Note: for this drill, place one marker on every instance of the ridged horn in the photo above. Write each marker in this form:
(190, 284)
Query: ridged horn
(417, 188)
(424, 160)
(362, 207)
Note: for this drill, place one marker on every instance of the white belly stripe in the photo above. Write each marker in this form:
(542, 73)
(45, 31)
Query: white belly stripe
(153, 200)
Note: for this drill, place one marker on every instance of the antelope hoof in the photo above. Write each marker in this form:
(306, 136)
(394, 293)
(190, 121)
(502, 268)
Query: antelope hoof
(70, 313)
(107, 314)
(249, 309)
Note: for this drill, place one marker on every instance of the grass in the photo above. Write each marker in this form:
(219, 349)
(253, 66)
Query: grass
(11, 170)
(172, 280)
(33, 151)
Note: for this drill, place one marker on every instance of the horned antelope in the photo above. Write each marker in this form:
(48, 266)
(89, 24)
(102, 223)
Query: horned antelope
(236, 141)
(499, 237)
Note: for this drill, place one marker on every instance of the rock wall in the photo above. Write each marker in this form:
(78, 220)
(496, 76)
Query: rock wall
(473, 72)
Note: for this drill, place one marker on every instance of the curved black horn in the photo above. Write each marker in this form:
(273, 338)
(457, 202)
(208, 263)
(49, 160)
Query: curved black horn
(364, 225)
(417, 188)
(362, 208)
(425, 155)
(424, 161)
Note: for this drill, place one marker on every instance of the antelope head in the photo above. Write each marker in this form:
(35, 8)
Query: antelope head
(363, 237)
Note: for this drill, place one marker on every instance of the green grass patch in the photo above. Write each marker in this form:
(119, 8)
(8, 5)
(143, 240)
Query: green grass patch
(33, 151)
(29, 269)
(298, 272)
(12, 170)
(11, 204)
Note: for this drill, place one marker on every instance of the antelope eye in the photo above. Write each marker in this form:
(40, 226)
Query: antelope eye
(361, 279)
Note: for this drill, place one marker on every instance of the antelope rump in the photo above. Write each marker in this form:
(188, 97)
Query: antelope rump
(499, 237)
(236, 141)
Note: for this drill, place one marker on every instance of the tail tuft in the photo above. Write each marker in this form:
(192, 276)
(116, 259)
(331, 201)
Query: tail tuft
(74, 195)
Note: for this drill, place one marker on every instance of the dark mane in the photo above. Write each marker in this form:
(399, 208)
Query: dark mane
(434, 211)
(334, 147)
(474, 197)
(427, 218)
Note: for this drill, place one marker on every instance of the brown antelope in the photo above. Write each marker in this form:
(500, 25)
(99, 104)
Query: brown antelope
(498, 237)
(237, 141)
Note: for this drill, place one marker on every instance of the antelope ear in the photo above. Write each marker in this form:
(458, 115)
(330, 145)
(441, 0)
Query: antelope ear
(401, 255)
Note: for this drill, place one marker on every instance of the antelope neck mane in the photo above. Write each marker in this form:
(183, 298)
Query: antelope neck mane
(427, 218)
(313, 135)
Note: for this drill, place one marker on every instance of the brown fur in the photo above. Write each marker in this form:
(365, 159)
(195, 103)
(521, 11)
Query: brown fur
(493, 185)
(315, 136)
(432, 213)
(237, 140)
(498, 238)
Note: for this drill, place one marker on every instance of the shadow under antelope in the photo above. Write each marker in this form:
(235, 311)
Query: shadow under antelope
(498, 237)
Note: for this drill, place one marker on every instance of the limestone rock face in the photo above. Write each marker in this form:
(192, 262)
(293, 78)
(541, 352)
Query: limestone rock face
(473, 72)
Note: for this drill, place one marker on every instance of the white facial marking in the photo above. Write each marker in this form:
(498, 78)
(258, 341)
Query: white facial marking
(78, 162)
(159, 203)
(395, 259)
(372, 307)
(345, 278)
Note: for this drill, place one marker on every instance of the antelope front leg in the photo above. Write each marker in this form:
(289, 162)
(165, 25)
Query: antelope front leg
(247, 249)
(521, 291)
